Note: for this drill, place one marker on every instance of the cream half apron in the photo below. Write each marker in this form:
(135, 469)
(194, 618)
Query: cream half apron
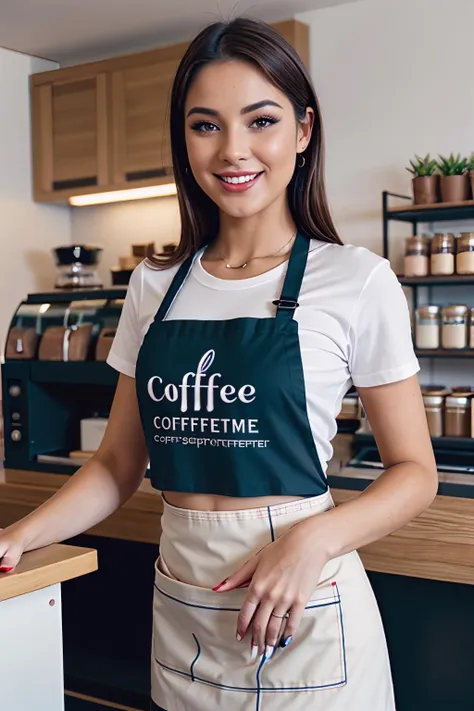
(337, 660)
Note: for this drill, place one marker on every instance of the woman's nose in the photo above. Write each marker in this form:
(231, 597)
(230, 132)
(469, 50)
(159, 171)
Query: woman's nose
(234, 147)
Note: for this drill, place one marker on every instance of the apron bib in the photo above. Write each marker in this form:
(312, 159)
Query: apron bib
(223, 402)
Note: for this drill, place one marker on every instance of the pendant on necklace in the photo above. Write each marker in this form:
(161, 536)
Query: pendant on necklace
(242, 266)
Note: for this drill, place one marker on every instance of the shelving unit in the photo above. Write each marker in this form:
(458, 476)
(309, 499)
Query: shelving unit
(416, 214)
(464, 443)
(454, 280)
(443, 353)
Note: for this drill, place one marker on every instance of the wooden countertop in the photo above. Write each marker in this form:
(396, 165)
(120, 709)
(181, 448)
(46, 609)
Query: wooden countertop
(438, 544)
(47, 566)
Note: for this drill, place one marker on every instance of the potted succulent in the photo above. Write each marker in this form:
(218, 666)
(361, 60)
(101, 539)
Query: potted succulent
(470, 167)
(454, 179)
(425, 180)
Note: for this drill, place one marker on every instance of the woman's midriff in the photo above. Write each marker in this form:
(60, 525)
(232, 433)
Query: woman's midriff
(211, 502)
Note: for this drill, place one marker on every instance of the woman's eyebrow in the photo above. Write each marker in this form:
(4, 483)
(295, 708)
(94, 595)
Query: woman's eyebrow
(246, 110)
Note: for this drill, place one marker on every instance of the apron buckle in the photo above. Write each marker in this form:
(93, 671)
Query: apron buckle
(286, 304)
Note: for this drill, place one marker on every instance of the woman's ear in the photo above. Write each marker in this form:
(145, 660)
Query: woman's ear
(305, 129)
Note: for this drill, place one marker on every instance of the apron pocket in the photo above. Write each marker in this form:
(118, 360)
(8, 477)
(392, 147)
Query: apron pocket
(194, 635)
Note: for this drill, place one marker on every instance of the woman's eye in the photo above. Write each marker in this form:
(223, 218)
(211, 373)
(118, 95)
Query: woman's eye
(264, 122)
(204, 127)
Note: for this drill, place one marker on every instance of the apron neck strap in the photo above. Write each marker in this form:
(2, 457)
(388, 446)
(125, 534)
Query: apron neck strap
(286, 304)
(288, 301)
(175, 287)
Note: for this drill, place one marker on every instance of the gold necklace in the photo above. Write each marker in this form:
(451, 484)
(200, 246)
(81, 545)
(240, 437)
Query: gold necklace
(275, 254)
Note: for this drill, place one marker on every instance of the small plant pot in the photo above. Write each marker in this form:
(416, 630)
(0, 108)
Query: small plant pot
(471, 176)
(425, 190)
(454, 188)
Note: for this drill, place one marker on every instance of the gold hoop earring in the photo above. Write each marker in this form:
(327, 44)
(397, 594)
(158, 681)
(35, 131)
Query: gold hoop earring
(303, 161)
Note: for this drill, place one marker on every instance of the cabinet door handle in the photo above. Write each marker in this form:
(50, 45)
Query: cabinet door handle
(152, 173)
(74, 183)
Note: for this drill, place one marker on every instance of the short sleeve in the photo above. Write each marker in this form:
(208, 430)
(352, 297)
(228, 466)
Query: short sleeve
(124, 351)
(380, 340)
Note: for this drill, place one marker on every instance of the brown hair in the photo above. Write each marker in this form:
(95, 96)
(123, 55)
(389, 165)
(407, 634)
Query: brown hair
(256, 42)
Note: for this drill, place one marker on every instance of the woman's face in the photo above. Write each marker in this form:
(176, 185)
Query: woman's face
(242, 137)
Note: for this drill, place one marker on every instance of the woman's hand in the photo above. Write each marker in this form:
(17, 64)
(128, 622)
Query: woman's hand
(282, 576)
(12, 547)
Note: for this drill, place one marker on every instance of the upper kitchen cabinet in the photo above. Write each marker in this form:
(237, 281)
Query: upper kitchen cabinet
(70, 136)
(104, 126)
(140, 127)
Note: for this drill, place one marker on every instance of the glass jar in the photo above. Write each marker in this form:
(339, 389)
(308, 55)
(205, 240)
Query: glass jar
(471, 339)
(454, 332)
(457, 422)
(465, 253)
(434, 408)
(417, 256)
(443, 247)
(427, 327)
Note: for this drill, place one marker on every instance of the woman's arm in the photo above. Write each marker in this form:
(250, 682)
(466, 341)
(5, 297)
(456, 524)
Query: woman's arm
(284, 574)
(98, 489)
(410, 480)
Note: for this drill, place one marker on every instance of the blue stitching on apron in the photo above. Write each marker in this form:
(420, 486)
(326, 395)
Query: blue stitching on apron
(336, 601)
(271, 523)
(251, 688)
(195, 658)
(341, 618)
(259, 686)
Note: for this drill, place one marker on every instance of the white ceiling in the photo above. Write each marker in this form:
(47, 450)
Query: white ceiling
(70, 31)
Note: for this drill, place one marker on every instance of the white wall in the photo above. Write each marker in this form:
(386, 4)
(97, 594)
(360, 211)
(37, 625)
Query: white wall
(28, 230)
(394, 78)
(116, 227)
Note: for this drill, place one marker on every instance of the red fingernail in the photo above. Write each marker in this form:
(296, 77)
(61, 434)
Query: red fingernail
(220, 585)
(5, 569)
(334, 584)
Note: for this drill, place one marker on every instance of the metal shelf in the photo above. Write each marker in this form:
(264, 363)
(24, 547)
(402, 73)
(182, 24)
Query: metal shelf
(440, 442)
(61, 295)
(442, 353)
(439, 212)
(453, 280)
(416, 214)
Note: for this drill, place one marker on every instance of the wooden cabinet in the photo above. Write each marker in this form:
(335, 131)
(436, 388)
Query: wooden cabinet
(140, 122)
(104, 126)
(70, 136)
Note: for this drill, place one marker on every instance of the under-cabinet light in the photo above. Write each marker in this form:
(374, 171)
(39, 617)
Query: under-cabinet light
(122, 195)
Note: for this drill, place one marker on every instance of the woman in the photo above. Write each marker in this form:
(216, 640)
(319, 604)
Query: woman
(234, 357)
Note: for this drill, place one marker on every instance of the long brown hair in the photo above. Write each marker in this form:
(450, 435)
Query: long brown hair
(256, 42)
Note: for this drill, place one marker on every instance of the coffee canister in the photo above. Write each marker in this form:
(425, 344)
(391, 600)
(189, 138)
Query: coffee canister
(455, 323)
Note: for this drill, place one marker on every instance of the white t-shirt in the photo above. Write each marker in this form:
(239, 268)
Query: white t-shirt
(353, 318)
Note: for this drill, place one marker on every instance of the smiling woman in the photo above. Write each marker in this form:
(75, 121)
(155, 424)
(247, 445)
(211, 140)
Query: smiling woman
(235, 354)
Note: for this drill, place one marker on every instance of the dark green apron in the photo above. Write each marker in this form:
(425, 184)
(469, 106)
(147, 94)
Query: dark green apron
(223, 402)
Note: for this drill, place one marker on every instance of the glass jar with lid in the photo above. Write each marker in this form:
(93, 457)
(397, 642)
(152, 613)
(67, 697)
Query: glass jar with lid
(417, 256)
(471, 329)
(455, 323)
(434, 408)
(465, 253)
(458, 416)
(427, 327)
(443, 247)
